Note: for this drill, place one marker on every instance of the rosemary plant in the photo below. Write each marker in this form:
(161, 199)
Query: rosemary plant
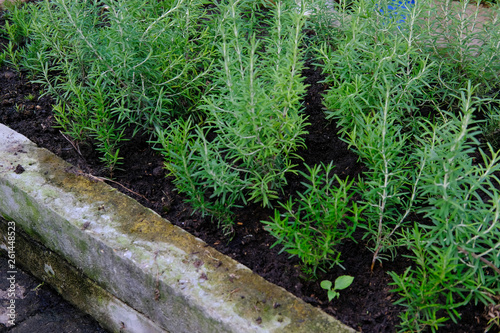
(378, 81)
(219, 89)
(15, 30)
(253, 124)
(381, 74)
(119, 64)
(457, 253)
(464, 37)
(318, 220)
(255, 110)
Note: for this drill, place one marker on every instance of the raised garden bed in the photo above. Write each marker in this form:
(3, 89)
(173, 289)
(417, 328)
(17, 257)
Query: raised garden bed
(366, 305)
(124, 264)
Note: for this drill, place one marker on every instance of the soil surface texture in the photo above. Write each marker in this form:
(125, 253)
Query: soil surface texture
(367, 305)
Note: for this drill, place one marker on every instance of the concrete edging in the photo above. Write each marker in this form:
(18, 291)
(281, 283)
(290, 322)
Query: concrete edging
(141, 273)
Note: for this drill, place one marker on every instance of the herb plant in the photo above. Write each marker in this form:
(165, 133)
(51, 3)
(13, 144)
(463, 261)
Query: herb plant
(120, 64)
(255, 109)
(15, 29)
(378, 80)
(218, 90)
(382, 73)
(457, 252)
(245, 144)
(318, 220)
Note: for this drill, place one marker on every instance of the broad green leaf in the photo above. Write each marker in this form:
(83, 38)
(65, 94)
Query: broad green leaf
(332, 294)
(343, 282)
(325, 284)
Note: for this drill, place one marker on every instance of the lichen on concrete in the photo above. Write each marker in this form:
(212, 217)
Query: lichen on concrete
(79, 289)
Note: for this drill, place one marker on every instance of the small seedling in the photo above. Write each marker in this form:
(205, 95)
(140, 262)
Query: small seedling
(37, 288)
(341, 282)
(19, 108)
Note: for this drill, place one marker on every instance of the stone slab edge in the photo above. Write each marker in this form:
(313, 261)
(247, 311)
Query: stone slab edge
(110, 312)
(174, 279)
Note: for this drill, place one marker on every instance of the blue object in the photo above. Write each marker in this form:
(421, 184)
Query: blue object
(398, 9)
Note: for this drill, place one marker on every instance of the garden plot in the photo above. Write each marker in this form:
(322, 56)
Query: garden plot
(391, 91)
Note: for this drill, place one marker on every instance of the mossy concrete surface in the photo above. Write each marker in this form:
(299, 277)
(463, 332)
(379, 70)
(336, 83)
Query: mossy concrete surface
(136, 259)
(112, 313)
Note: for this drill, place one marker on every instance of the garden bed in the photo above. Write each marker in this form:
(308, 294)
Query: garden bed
(367, 305)
(122, 263)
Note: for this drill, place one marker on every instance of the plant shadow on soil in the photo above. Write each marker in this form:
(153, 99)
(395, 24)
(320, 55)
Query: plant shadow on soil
(366, 305)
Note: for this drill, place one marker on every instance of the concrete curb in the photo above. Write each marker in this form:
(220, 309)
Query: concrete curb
(74, 286)
(156, 276)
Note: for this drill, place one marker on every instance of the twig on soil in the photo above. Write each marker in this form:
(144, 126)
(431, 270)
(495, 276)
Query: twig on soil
(77, 149)
(104, 179)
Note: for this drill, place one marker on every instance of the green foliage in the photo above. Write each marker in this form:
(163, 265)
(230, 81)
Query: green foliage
(145, 62)
(491, 128)
(318, 220)
(12, 56)
(371, 59)
(436, 277)
(210, 185)
(16, 31)
(379, 80)
(381, 75)
(254, 109)
(341, 283)
(219, 89)
(233, 72)
(463, 37)
(243, 149)
(389, 187)
(16, 25)
(457, 254)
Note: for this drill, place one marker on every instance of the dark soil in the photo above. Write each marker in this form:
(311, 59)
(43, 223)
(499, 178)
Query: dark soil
(366, 305)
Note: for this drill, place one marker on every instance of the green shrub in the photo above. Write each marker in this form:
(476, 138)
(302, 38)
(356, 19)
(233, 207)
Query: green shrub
(381, 75)
(253, 124)
(145, 62)
(456, 254)
(219, 89)
(378, 81)
(464, 38)
(318, 220)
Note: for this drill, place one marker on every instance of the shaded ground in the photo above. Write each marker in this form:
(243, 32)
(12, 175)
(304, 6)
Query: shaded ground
(365, 306)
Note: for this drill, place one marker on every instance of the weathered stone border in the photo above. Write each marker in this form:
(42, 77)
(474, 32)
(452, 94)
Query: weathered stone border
(76, 287)
(137, 271)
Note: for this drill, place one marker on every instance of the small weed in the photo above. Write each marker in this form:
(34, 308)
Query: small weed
(37, 288)
(342, 282)
(19, 108)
